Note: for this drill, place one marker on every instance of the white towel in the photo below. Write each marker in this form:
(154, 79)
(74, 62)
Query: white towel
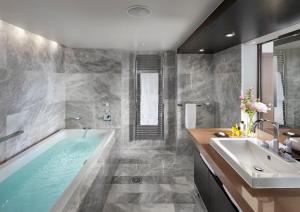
(190, 116)
(149, 98)
(278, 110)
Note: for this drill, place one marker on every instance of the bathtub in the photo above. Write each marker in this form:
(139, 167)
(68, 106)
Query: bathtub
(55, 172)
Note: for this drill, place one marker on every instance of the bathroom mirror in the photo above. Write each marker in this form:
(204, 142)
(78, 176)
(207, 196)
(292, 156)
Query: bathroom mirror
(279, 84)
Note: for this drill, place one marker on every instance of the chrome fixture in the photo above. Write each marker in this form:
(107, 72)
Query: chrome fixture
(275, 146)
(198, 104)
(5, 138)
(230, 35)
(139, 11)
(74, 118)
(275, 125)
(86, 131)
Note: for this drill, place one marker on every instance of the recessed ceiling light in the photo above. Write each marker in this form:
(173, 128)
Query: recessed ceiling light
(230, 35)
(139, 11)
(251, 43)
(201, 50)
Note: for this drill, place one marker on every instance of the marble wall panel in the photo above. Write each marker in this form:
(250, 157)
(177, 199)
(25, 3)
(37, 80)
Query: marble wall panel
(214, 78)
(93, 80)
(3, 46)
(195, 84)
(92, 61)
(292, 87)
(32, 88)
(227, 77)
(169, 93)
(195, 78)
(127, 98)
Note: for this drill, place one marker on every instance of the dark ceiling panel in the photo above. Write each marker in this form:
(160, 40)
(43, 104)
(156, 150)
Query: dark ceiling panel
(249, 19)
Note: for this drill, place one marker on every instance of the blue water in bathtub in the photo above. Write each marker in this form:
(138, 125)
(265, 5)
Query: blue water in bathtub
(39, 184)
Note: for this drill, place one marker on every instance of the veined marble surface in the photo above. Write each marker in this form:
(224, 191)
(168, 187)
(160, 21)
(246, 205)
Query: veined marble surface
(32, 88)
(93, 80)
(215, 79)
(170, 85)
(292, 80)
(195, 84)
(227, 77)
(70, 83)
(153, 180)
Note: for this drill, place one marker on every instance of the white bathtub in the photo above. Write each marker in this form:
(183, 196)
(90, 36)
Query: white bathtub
(78, 186)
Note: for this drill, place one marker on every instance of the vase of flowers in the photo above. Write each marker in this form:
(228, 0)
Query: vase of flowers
(251, 106)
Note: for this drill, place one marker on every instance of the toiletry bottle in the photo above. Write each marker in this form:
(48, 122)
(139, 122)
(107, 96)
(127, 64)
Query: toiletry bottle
(236, 131)
(243, 128)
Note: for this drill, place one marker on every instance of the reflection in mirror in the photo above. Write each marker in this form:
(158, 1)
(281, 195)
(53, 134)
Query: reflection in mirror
(280, 80)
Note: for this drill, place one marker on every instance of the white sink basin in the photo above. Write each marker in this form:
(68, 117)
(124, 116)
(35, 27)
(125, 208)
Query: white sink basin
(259, 167)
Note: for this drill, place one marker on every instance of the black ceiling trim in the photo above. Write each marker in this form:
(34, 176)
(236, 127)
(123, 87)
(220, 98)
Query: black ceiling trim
(249, 19)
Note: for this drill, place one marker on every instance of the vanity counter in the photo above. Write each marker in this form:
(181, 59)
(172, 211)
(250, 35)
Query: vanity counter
(247, 198)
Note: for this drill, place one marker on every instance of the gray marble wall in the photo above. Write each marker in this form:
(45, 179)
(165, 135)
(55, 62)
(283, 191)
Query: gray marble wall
(31, 88)
(170, 86)
(292, 87)
(227, 78)
(195, 84)
(44, 86)
(93, 80)
(208, 78)
(95, 77)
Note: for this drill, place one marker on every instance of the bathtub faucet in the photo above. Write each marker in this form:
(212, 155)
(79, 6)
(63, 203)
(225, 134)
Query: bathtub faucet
(86, 131)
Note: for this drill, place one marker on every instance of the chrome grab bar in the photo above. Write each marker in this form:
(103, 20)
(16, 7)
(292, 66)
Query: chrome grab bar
(5, 138)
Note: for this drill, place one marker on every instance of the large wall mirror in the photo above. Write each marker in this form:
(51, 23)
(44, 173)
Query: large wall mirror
(279, 84)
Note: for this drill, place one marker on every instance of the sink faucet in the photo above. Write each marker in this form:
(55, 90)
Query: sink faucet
(275, 134)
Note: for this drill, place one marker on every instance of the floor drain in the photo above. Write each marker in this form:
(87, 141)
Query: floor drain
(258, 169)
(137, 180)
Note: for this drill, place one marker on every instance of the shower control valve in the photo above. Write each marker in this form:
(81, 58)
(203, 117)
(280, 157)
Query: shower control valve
(107, 117)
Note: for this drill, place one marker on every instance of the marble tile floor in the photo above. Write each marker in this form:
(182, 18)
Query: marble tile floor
(153, 181)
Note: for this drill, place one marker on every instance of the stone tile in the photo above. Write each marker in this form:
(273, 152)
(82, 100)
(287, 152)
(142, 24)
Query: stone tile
(3, 154)
(139, 208)
(112, 207)
(3, 47)
(189, 208)
(78, 87)
(82, 109)
(165, 184)
(150, 198)
(92, 61)
(140, 188)
(56, 88)
(151, 180)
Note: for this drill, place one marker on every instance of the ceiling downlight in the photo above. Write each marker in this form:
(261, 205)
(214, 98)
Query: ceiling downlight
(139, 11)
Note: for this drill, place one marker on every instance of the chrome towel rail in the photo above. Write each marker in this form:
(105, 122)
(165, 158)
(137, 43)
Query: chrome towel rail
(198, 105)
(5, 138)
